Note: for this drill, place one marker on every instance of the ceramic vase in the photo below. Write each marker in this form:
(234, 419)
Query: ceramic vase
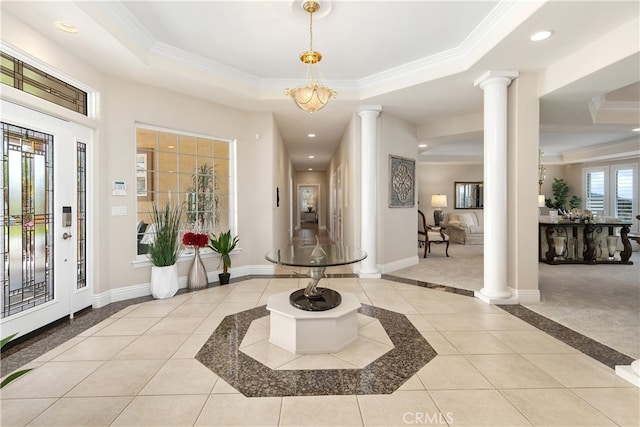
(164, 281)
(612, 244)
(197, 278)
(559, 243)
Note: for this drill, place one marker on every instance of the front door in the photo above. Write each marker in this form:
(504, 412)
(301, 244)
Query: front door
(44, 219)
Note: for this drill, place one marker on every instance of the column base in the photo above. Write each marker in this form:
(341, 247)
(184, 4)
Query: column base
(630, 373)
(365, 275)
(495, 298)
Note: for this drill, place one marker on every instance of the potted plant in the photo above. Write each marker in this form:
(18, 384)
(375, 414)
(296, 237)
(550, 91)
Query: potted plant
(223, 244)
(164, 250)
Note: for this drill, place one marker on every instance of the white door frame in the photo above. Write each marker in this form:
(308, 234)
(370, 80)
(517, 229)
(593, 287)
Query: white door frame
(67, 299)
(318, 207)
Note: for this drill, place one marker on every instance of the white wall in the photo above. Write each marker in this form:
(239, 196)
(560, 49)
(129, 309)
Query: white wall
(261, 164)
(397, 233)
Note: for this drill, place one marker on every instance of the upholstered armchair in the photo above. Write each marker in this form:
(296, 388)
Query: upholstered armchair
(465, 227)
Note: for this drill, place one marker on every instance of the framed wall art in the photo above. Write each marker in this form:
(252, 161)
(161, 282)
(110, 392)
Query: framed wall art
(402, 182)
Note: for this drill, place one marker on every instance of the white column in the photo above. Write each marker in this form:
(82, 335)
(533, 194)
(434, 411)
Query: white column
(368, 188)
(630, 373)
(494, 84)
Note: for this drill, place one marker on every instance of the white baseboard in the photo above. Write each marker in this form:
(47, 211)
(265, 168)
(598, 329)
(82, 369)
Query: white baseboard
(144, 289)
(526, 296)
(398, 265)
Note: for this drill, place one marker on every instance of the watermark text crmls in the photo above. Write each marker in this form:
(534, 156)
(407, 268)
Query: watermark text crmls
(427, 418)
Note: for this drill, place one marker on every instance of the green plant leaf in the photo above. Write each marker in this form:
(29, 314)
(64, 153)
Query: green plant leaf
(13, 376)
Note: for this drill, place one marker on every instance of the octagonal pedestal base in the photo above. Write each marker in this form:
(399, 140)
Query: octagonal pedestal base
(304, 332)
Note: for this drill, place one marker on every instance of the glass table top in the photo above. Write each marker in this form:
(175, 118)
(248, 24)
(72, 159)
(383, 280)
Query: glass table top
(302, 256)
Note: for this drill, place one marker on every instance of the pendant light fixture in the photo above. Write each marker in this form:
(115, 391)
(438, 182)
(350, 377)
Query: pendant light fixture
(311, 95)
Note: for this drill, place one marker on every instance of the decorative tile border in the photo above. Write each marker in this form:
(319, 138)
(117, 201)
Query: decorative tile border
(221, 354)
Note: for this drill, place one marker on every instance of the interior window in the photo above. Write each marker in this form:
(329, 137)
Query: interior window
(193, 171)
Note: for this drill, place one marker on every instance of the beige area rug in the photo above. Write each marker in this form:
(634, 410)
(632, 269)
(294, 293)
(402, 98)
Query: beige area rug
(599, 301)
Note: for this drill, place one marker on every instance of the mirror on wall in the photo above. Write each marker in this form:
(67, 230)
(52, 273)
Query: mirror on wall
(468, 195)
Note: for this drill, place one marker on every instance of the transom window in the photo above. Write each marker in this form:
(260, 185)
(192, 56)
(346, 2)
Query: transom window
(185, 169)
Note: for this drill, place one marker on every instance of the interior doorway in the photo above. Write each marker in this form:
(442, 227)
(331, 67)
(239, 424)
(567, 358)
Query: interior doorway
(309, 206)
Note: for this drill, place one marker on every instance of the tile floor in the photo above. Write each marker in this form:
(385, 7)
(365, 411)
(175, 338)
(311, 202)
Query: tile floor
(138, 367)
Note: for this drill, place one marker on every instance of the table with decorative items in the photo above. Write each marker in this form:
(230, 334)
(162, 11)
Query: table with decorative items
(314, 319)
(584, 241)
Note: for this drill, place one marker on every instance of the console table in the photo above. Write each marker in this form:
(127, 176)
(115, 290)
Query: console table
(308, 216)
(585, 242)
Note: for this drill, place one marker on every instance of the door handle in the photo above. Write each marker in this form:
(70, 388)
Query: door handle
(66, 235)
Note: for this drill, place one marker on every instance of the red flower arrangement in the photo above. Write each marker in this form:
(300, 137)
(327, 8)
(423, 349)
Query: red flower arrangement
(195, 239)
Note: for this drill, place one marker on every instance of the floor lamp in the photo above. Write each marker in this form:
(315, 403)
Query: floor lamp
(438, 201)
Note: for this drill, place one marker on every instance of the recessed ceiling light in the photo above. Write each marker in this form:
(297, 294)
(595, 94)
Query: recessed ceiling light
(310, 169)
(635, 130)
(312, 157)
(311, 135)
(171, 146)
(540, 35)
(422, 145)
(66, 27)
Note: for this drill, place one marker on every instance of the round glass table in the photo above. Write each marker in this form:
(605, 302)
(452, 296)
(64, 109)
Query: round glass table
(317, 258)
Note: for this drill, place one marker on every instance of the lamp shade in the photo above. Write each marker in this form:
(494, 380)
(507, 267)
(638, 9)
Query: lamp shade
(439, 201)
(541, 201)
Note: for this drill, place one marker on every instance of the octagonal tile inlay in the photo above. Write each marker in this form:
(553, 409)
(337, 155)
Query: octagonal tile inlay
(223, 355)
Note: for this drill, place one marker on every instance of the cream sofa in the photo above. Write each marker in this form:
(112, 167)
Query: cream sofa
(465, 226)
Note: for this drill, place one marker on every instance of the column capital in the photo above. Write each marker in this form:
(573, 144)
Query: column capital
(367, 109)
(493, 76)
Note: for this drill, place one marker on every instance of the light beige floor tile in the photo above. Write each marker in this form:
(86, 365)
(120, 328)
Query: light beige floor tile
(281, 285)
(556, 407)
(402, 408)
(192, 310)
(398, 306)
(344, 411)
(125, 311)
(512, 371)
(96, 348)
(82, 411)
(160, 347)
(162, 411)
(476, 322)
(95, 328)
(243, 296)
(473, 305)
(52, 354)
(412, 383)
(176, 326)
(431, 307)
(373, 285)
(117, 378)
(622, 405)
(317, 361)
(223, 387)
(255, 286)
(152, 310)
(362, 297)
(385, 295)
(231, 308)
(577, 370)
(128, 326)
(439, 343)
(450, 372)
(532, 342)
(181, 376)
(238, 410)
(363, 351)
(204, 297)
(477, 342)
(420, 322)
(376, 332)
(256, 333)
(268, 354)
(191, 346)
(18, 412)
(477, 408)
(209, 325)
(364, 320)
(53, 379)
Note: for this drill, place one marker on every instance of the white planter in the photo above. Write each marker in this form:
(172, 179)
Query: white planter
(164, 281)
